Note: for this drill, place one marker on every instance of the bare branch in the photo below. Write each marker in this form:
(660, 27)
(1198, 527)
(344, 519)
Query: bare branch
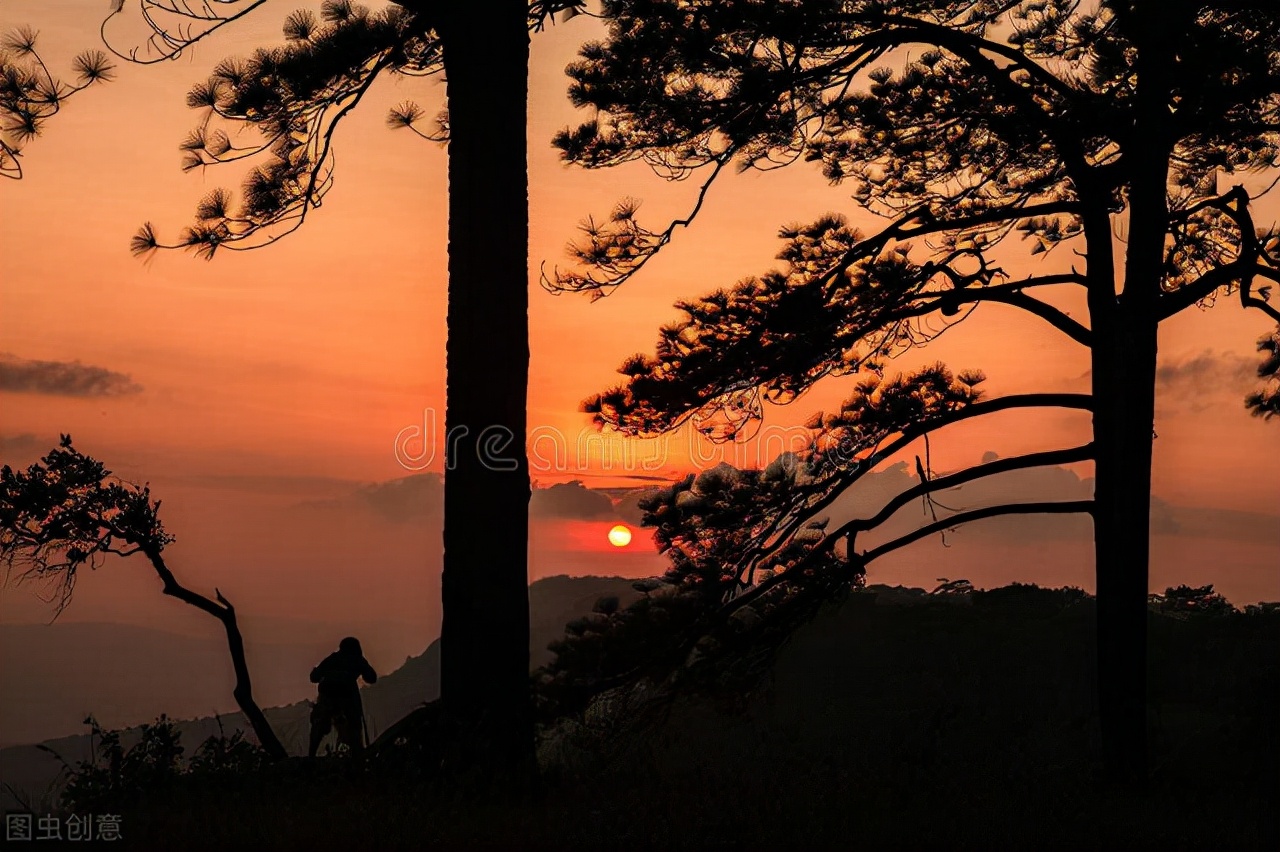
(942, 483)
(174, 26)
(1067, 507)
(788, 523)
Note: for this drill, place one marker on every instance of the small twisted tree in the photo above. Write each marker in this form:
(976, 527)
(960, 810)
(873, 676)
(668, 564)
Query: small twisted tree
(67, 512)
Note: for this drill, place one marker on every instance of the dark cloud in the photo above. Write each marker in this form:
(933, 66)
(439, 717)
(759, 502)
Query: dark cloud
(270, 483)
(1164, 518)
(570, 501)
(412, 498)
(62, 378)
(421, 496)
(1207, 371)
(1228, 525)
(1187, 381)
(628, 505)
(1198, 383)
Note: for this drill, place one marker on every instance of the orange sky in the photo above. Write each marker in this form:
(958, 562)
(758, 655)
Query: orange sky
(275, 375)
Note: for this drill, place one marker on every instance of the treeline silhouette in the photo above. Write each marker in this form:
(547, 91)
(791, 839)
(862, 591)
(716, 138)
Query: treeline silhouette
(972, 706)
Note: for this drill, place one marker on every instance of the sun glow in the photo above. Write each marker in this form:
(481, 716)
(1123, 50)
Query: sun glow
(620, 536)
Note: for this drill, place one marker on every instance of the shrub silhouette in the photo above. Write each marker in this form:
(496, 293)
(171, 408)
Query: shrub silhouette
(114, 776)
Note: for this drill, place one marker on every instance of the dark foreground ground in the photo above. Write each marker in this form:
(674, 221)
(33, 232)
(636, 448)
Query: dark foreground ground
(934, 725)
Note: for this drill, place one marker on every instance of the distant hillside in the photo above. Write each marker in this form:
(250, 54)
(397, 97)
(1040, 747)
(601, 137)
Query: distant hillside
(552, 602)
(86, 667)
(899, 720)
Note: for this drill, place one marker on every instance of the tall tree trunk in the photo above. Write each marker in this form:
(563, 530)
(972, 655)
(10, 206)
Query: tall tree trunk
(485, 633)
(1124, 364)
(1125, 329)
(1123, 375)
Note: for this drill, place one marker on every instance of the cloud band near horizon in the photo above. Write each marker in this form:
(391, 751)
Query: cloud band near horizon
(62, 378)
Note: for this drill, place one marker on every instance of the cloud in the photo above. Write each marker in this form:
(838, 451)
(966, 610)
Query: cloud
(62, 378)
(1207, 371)
(269, 483)
(23, 445)
(1050, 483)
(628, 507)
(421, 496)
(1226, 525)
(1199, 381)
(419, 499)
(570, 501)
(406, 499)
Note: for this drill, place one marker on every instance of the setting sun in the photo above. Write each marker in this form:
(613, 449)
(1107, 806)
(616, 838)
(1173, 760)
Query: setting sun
(620, 536)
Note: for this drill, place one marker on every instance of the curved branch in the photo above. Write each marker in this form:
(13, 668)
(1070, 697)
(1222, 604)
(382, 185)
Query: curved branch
(921, 221)
(1248, 300)
(224, 612)
(1241, 271)
(778, 539)
(1052, 508)
(1235, 205)
(962, 43)
(173, 45)
(10, 165)
(1056, 318)
(575, 283)
(1008, 294)
(942, 483)
(292, 215)
(973, 49)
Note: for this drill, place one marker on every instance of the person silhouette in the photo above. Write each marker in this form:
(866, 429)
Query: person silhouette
(338, 696)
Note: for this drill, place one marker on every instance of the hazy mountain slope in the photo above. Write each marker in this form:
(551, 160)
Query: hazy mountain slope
(552, 602)
(84, 668)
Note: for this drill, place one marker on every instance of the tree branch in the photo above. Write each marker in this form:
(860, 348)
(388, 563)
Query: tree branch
(1235, 205)
(1213, 280)
(921, 221)
(1071, 506)
(655, 241)
(224, 612)
(1056, 318)
(1203, 287)
(962, 43)
(170, 46)
(839, 484)
(1248, 300)
(942, 483)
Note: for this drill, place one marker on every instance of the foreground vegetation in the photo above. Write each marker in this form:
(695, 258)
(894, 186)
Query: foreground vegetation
(894, 720)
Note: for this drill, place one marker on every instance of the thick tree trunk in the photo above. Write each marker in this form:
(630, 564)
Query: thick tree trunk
(1125, 329)
(485, 634)
(1124, 398)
